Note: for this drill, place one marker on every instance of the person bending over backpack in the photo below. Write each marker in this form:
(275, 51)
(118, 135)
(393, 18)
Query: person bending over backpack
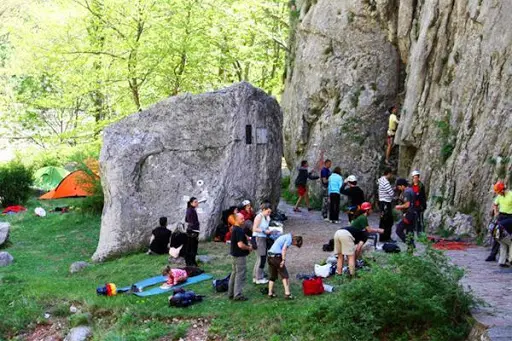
(277, 262)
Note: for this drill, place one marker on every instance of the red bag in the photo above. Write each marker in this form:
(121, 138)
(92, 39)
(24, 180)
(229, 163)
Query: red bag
(313, 286)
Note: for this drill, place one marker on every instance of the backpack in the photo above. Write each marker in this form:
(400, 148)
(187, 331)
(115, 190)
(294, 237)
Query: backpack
(221, 285)
(391, 248)
(182, 298)
(329, 246)
(313, 286)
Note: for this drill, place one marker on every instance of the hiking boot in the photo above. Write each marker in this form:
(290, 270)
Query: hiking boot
(504, 266)
(310, 209)
(327, 219)
(490, 259)
(296, 209)
(241, 298)
(261, 281)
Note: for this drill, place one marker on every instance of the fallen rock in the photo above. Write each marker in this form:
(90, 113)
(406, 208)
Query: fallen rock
(78, 266)
(4, 232)
(79, 334)
(204, 146)
(462, 224)
(5, 258)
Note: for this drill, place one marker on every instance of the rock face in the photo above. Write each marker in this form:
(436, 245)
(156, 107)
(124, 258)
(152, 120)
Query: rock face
(81, 333)
(446, 62)
(5, 258)
(4, 232)
(223, 147)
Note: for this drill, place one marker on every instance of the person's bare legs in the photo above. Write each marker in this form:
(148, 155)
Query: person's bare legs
(388, 150)
(339, 268)
(286, 285)
(298, 202)
(306, 198)
(352, 264)
(270, 288)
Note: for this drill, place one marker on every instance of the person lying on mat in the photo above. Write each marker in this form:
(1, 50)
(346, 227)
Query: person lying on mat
(174, 276)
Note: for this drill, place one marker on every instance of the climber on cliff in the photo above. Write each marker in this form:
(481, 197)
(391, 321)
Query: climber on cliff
(301, 184)
(392, 126)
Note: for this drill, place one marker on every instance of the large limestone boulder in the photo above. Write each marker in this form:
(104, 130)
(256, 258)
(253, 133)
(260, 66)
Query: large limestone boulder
(223, 147)
(343, 74)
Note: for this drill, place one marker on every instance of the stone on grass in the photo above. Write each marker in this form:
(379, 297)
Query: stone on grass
(5, 258)
(221, 147)
(205, 258)
(79, 334)
(4, 232)
(78, 266)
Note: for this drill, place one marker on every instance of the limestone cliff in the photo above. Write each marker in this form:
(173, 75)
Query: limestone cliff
(448, 64)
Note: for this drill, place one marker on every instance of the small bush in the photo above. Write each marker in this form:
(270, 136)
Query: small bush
(411, 298)
(94, 203)
(15, 182)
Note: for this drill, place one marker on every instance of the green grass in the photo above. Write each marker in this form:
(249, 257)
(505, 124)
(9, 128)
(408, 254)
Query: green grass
(39, 281)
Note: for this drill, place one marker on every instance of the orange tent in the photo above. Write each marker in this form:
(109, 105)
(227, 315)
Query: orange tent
(76, 184)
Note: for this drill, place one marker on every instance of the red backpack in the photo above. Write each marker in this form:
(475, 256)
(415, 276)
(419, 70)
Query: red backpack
(313, 286)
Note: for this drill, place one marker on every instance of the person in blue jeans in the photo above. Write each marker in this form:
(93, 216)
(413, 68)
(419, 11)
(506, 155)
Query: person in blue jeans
(324, 178)
(277, 262)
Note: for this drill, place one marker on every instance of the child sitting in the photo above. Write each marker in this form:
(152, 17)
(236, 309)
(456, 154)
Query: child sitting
(174, 276)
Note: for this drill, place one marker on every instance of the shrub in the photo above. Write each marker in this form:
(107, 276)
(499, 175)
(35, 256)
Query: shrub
(411, 298)
(15, 182)
(94, 203)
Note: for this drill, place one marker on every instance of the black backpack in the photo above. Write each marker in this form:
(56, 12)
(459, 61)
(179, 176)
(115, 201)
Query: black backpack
(221, 285)
(391, 248)
(329, 246)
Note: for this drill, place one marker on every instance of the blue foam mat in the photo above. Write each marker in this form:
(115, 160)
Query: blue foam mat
(158, 290)
(144, 283)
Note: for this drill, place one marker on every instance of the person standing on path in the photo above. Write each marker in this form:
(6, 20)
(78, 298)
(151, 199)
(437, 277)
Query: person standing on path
(192, 232)
(503, 211)
(420, 201)
(277, 263)
(386, 194)
(392, 127)
(405, 228)
(334, 187)
(324, 177)
(260, 231)
(301, 184)
(355, 195)
(240, 249)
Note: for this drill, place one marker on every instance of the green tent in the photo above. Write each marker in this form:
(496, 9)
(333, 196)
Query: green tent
(47, 178)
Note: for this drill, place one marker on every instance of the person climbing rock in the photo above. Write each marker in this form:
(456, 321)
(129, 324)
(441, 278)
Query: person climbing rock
(392, 127)
(420, 201)
(192, 232)
(502, 209)
(334, 186)
(355, 195)
(386, 194)
(301, 184)
(324, 177)
(405, 228)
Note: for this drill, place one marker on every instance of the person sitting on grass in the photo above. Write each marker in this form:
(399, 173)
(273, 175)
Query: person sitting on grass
(277, 263)
(231, 217)
(361, 222)
(174, 276)
(160, 237)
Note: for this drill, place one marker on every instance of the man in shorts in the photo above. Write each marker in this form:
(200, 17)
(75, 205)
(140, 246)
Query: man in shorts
(392, 127)
(277, 263)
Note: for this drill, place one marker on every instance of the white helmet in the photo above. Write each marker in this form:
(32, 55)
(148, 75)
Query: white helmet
(415, 172)
(352, 178)
(245, 203)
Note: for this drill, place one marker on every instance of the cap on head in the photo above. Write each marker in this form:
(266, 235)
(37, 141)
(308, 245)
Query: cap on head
(352, 178)
(366, 206)
(245, 203)
(415, 172)
(499, 187)
(402, 182)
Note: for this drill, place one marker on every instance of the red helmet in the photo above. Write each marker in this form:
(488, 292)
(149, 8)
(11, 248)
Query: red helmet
(366, 206)
(499, 187)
